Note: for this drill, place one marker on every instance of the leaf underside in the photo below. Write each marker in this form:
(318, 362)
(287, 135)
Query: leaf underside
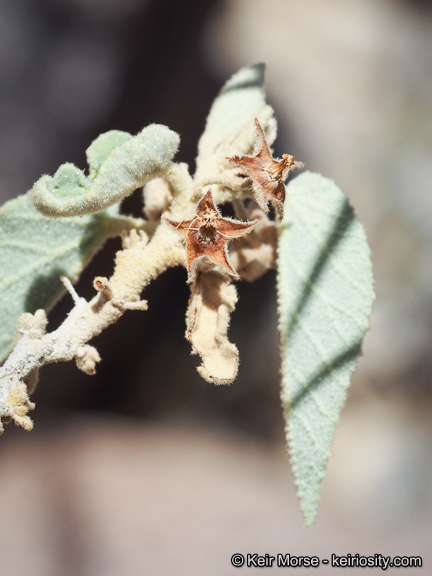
(35, 251)
(325, 295)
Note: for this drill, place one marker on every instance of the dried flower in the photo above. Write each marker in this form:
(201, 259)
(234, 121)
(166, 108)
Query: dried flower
(256, 253)
(268, 175)
(212, 300)
(207, 236)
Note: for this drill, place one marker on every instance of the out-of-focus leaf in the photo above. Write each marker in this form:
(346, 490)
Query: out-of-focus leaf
(325, 294)
(36, 250)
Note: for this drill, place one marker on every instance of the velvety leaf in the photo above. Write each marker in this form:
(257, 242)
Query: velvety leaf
(119, 164)
(100, 149)
(36, 250)
(230, 129)
(325, 294)
(238, 103)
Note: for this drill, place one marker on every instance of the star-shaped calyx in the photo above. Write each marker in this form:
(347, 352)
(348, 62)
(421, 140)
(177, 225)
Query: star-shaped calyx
(268, 175)
(207, 236)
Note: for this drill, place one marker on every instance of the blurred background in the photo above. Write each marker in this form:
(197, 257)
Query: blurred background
(146, 468)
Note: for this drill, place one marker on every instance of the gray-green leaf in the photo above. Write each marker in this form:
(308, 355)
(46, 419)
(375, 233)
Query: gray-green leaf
(325, 294)
(230, 129)
(119, 164)
(100, 149)
(36, 250)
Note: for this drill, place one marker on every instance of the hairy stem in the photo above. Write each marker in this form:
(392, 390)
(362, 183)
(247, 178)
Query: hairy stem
(139, 262)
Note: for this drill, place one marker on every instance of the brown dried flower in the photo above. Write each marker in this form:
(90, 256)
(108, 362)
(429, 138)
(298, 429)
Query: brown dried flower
(268, 175)
(207, 236)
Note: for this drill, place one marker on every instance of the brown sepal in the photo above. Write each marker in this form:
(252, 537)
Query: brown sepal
(207, 236)
(268, 174)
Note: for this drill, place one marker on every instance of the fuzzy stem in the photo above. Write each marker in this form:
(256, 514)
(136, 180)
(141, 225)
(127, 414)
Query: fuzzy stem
(139, 262)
